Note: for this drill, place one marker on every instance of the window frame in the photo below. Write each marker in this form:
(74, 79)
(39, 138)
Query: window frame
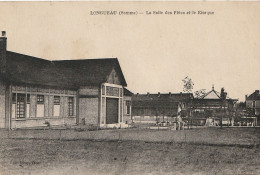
(128, 107)
(70, 106)
(56, 100)
(28, 98)
(20, 106)
(254, 104)
(40, 99)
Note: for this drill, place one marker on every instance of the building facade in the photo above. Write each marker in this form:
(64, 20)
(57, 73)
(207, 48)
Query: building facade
(153, 108)
(36, 92)
(253, 102)
(127, 105)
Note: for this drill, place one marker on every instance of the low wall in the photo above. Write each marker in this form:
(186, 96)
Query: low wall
(38, 122)
(152, 119)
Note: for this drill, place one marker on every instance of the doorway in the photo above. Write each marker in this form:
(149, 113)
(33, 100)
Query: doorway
(111, 110)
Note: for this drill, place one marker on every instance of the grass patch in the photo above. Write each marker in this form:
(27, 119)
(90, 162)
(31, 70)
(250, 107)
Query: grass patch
(227, 154)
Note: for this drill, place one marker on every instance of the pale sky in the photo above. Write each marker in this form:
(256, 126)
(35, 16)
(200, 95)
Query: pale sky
(155, 51)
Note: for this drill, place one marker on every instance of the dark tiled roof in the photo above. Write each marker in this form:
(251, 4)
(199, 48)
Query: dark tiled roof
(171, 97)
(254, 96)
(159, 100)
(127, 92)
(66, 73)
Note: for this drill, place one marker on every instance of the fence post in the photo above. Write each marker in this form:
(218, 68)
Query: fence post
(60, 134)
(119, 136)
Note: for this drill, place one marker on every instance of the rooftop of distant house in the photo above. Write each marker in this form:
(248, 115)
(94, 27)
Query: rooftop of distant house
(254, 96)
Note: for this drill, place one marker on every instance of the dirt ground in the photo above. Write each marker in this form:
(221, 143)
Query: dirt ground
(27, 155)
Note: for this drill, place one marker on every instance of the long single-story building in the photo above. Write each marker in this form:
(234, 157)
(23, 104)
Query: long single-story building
(161, 107)
(35, 92)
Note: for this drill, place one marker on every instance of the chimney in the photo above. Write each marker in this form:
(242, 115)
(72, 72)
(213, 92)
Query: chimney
(257, 91)
(170, 93)
(246, 96)
(159, 94)
(148, 93)
(3, 33)
(3, 52)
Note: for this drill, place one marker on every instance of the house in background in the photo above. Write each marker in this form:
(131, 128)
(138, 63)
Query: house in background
(253, 108)
(253, 102)
(152, 108)
(35, 91)
(211, 107)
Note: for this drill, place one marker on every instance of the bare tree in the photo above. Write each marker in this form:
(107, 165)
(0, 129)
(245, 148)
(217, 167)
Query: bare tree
(223, 96)
(188, 85)
(200, 93)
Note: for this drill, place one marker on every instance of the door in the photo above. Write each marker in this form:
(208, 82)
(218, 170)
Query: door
(111, 110)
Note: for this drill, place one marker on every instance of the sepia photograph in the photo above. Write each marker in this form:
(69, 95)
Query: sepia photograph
(129, 88)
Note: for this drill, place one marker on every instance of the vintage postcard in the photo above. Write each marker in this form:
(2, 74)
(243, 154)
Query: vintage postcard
(129, 88)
